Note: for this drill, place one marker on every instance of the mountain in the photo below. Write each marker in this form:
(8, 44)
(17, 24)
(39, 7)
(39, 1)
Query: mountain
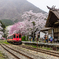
(13, 9)
(7, 22)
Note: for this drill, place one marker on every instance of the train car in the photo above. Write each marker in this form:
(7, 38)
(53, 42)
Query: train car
(14, 38)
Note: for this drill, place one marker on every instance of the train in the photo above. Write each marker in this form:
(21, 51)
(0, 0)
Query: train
(14, 38)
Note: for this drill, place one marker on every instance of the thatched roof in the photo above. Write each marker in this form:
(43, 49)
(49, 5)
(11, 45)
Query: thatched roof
(52, 18)
(56, 13)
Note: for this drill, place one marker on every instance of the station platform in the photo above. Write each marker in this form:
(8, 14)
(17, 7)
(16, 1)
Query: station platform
(42, 44)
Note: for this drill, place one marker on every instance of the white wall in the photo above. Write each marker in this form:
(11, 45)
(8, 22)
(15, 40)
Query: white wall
(42, 35)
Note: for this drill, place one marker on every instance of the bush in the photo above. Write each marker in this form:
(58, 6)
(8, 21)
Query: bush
(23, 38)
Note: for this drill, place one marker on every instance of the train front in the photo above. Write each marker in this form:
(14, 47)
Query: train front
(17, 38)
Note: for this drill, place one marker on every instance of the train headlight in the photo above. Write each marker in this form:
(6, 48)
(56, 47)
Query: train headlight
(20, 39)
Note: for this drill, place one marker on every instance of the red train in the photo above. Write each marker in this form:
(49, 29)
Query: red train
(15, 39)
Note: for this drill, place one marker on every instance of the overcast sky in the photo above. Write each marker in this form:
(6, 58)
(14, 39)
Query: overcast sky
(43, 3)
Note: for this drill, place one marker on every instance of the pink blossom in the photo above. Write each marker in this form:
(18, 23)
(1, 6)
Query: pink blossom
(3, 38)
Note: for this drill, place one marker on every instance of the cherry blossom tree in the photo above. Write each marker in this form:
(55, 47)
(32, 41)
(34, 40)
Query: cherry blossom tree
(32, 23)
(37, 20)
(20, 27)
(16, 28)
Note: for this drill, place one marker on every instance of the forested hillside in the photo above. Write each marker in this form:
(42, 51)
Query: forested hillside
(12, 10)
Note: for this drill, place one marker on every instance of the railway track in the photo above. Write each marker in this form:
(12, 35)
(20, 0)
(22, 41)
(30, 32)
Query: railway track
(17, 57)
(53, 53)
(27, 52)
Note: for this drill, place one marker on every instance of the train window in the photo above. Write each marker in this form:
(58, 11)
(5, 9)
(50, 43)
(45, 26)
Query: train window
(14, 36)
(19, 36)
(10, 37)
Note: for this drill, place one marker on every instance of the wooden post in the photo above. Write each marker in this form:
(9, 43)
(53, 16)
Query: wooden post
(37, 43)
(58, 34)
(52, 33)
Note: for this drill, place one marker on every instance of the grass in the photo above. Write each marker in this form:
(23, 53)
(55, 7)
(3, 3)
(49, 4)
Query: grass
(2, 56)
(3, 42)
(34, 46)
(46, 48)
(40, 47)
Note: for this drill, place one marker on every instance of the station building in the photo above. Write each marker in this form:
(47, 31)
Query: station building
(52, 23)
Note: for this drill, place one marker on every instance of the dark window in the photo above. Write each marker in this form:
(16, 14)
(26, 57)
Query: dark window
(14, 36)
(19, 36)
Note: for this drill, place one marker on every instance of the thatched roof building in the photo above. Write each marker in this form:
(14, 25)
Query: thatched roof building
(52, 23)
